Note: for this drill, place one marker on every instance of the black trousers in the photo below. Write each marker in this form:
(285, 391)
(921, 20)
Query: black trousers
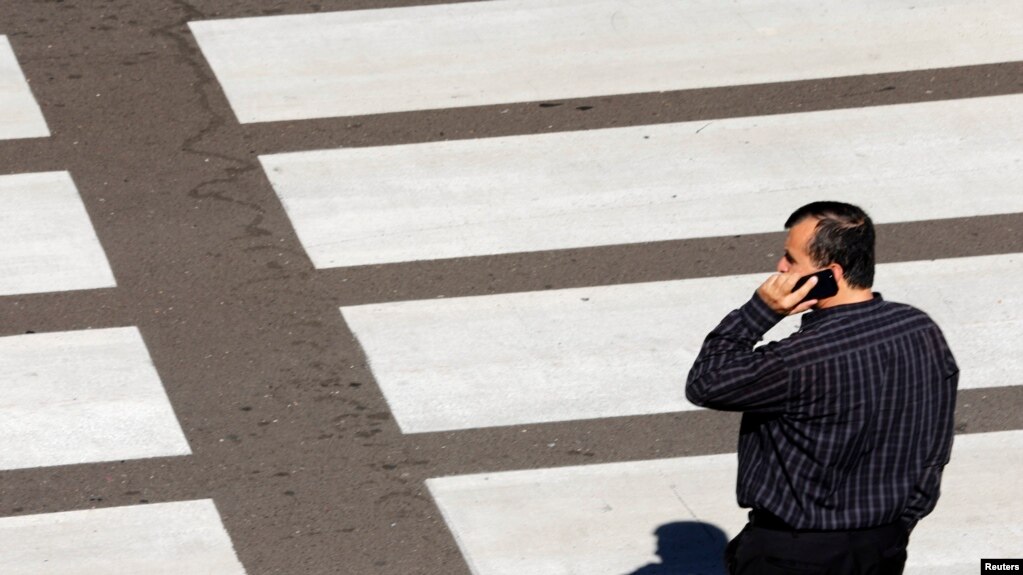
(771, 549)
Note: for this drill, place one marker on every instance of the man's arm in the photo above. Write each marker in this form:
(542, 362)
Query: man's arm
(927, 489)
(729, 374)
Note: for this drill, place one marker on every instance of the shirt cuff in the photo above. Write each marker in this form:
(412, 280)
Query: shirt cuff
(759, 315)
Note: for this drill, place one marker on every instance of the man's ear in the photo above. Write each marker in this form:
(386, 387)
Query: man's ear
(839, 273)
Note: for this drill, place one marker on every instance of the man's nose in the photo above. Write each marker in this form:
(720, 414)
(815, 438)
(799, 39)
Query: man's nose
(783, 265)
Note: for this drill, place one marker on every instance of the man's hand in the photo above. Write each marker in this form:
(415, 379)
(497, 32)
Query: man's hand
(778, 295)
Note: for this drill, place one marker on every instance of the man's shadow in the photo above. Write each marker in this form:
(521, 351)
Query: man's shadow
(688, 548)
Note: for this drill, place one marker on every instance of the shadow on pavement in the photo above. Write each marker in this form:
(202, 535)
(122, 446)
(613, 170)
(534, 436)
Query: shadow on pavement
(687, 548)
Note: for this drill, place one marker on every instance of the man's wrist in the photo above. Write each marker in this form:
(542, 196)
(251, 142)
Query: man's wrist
(760, 315)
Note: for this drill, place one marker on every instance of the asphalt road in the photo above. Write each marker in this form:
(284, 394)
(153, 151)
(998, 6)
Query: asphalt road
(290, 435)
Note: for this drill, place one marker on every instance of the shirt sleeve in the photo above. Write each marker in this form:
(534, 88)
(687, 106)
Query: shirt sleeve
(730, 375)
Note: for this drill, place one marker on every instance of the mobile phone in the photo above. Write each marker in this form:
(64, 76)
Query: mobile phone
(826, 285)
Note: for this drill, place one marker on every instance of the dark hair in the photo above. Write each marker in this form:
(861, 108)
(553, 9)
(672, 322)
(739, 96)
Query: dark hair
(844, 235)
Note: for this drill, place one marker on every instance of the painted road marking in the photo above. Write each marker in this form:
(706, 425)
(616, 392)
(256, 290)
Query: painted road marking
(81, 397)
(47, 242)
(619, 350)
(20, 116)
(477, 53)
(157, 539)
(602, 518)
(640, 184)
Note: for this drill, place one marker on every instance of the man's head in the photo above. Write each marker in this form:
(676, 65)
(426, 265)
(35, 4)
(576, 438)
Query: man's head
(831, 235)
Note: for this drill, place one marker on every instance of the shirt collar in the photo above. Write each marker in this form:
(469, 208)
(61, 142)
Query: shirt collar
(844, 309)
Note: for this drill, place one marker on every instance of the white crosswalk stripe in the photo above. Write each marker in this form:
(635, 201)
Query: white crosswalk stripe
(602, 518)
(20, 116)
(158, 539)
(639, 184)
(469, 54)
(581, 353)
(47, 242)
(81, 397)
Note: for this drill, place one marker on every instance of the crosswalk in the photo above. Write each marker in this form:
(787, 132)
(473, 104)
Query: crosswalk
(603, 518)
(86, 396)
(460, 364)
(21, 117)
(359, 206)
(102, 388)
(47, 242)
(161, 538)
(558, 355)
(479, 53)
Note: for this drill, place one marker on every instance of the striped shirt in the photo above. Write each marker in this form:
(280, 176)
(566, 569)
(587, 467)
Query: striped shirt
(847, 423)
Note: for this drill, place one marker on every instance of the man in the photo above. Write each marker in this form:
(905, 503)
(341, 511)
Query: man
(847, 424)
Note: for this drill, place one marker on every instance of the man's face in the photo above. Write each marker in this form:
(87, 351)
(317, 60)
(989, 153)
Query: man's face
(796, 259)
